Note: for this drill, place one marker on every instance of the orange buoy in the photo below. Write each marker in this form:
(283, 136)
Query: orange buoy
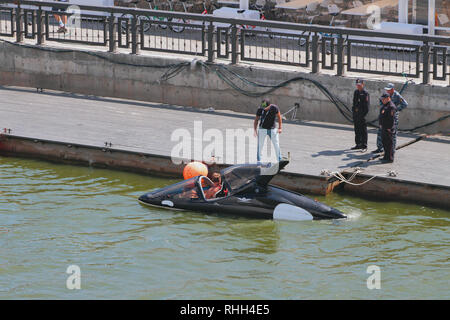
(194, 169)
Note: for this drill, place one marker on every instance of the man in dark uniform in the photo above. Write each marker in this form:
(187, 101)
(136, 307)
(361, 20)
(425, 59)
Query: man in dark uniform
(387, 125)
(360, 109)
(400, 103)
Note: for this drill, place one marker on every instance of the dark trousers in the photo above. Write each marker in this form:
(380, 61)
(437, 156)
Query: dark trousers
(379, 142)
(388, 144)
(360, 126)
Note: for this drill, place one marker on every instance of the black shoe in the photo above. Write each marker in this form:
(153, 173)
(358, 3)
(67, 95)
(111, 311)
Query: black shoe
(356, 148)
(377, 151)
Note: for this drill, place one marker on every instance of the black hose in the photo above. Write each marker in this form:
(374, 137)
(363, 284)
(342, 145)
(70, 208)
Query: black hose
(343, 109)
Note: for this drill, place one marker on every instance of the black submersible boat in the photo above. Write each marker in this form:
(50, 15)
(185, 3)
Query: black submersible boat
(245, 191)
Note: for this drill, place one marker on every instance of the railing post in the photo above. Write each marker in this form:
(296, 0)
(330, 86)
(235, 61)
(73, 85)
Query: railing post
(426, 63)
(40, 27)
(340, 56)
(234, 44)
(211, 53)
(315, 54)
(134, 35)
(19, 24)
(112, 36)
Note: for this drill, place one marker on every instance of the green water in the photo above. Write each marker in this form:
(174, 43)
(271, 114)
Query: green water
(53, 216)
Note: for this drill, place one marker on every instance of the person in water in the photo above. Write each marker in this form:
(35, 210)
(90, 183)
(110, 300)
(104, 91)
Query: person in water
(216, 187)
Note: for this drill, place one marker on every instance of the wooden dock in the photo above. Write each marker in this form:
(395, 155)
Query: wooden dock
(141, 129)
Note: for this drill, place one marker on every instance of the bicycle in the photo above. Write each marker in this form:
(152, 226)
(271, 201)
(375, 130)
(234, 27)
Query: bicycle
(181, 27)
(145, 21)
(333, 11)
(255, 7)
(212, 7)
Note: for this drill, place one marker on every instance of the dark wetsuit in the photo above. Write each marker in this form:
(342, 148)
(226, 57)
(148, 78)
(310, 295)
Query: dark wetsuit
(360, 109)
(387, 125)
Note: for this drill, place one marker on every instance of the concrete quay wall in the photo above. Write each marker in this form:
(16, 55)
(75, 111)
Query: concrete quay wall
(141, 77)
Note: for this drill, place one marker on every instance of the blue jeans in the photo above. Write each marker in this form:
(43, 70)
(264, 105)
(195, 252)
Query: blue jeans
(273, 136)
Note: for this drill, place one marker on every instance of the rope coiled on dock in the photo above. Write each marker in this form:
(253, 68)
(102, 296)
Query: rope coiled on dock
(339, 176)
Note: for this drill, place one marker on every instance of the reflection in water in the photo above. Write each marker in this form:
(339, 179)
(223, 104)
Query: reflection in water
(262, 235)
(52, 216)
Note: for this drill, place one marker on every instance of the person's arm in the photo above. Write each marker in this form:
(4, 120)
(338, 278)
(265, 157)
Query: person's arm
(280, 122)
(402, 104)
(255, 123)
(366, 105)
(212, 191)
(255, 126)
(209, 193)
(390, 120)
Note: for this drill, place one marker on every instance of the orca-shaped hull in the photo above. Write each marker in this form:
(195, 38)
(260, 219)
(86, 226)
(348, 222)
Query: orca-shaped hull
(245, 192)
(260, 203)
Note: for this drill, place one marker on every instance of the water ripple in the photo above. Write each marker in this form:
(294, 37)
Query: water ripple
(52, 216)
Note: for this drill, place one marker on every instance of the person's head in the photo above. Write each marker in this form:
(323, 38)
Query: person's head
(385, 98)
(265, 103)
(359, 84)
(216, 178)
(390, 88)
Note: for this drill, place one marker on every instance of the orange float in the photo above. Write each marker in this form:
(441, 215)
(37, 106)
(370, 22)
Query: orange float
(194, 169)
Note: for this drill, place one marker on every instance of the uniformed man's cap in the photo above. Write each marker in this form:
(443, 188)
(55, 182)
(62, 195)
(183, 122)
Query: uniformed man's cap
(359, 81)
(385, 95)
(389, 86)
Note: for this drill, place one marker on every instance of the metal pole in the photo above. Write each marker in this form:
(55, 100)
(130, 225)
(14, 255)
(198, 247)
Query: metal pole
(211, 53)
(242, 45)
(340, 56)
(134, 35)
(426, 63)
(235, 44)
(19, 24)
(40, 27)
(315, 54)
(403, 11)
(431, 16)
(112, 34)
(243, 4)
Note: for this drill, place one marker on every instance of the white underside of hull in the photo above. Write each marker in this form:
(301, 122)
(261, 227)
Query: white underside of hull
(285, 211)
(160, 207)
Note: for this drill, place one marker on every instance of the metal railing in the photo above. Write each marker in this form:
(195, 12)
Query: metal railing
(310, 46)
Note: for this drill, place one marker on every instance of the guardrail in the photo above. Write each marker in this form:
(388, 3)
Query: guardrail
(310, 46)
